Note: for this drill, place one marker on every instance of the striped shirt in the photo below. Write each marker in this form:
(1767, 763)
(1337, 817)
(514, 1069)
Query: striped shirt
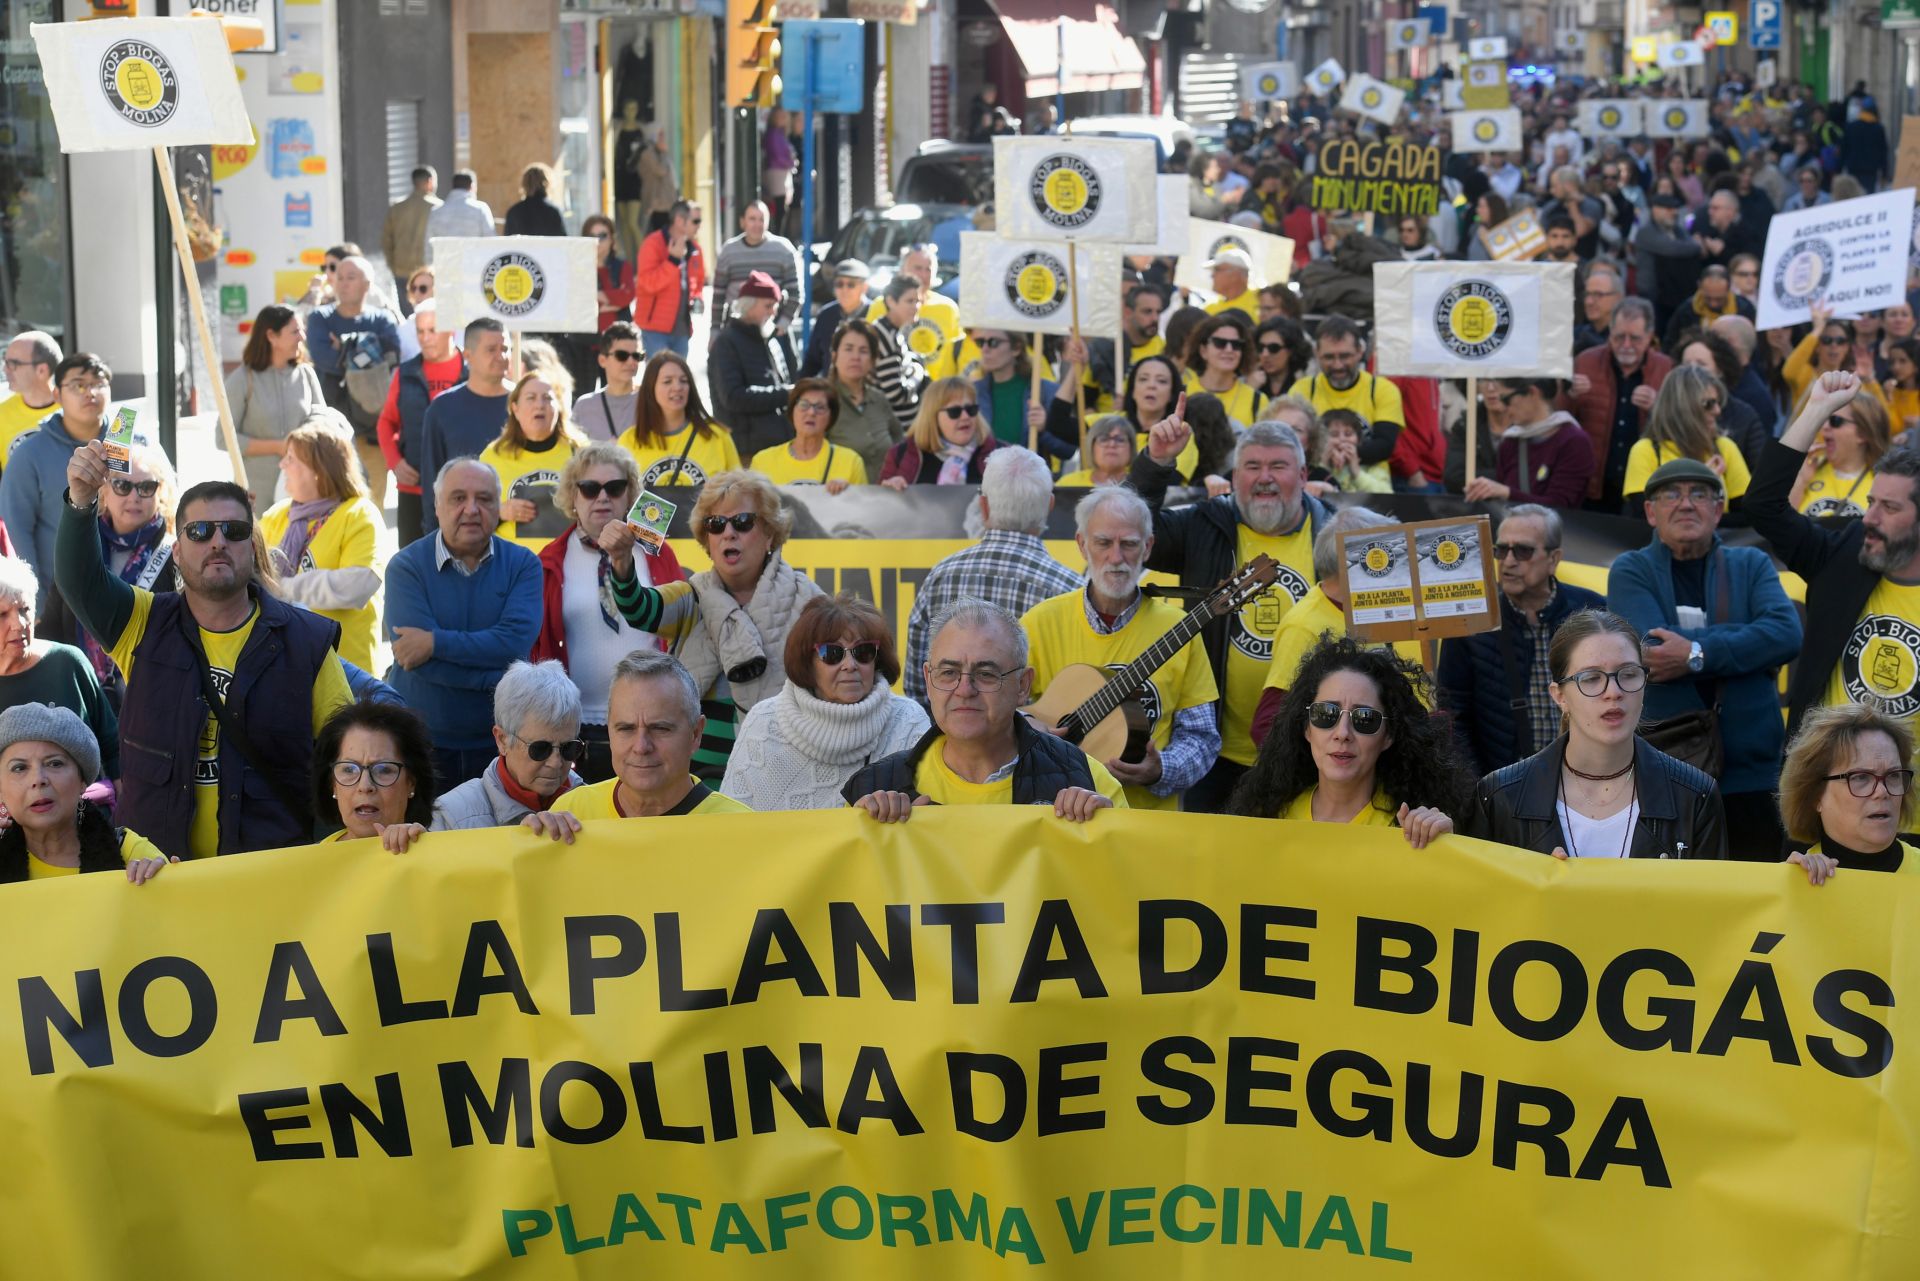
(1008, 569)
(737, 260)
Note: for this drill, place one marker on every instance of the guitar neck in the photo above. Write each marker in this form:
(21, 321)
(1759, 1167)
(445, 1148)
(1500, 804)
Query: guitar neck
(1127, 681)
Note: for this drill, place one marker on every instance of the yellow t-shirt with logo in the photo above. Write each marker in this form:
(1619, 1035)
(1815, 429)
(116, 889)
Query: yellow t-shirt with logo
(348, 538)
(934, 336)
(711, 454)
(597, 801)
(1644, 458)
(1880, 664)
(831, 463)
(1831, 494)
(1381, 812)
(1374, 398)
(936, 781)
(534, 476)
(330, 694)
(1060, 636)
(132, 846)
(1251, 632)
(17, 418)
(1242, 401)
(1248, 302)
(1300, 631)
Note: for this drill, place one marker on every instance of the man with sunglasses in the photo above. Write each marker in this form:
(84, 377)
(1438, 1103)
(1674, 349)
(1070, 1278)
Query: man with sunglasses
(402, 428)
(1716, 628)
(31, 359)
(607, 412)
(227, 685)
(536, 726)
(670, 276)
(850, 278)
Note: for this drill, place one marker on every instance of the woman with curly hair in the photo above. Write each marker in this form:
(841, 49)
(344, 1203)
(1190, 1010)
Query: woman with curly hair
(1354, 745)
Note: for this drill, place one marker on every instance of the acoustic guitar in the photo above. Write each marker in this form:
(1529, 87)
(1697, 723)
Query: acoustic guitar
(1101, 709)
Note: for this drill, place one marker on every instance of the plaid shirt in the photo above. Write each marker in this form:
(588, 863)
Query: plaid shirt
(1004, 568)
(1194, 743)
(1543, 718)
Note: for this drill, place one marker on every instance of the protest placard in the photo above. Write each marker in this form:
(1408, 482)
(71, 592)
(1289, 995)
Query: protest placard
(1269, 81)
(1409, 33)
(1374, 99)
(1061, 188)
(1024, 285)
(1272, 256)
(539, 284)
(1517, 239)
(1487, 49)
(1849, 256)
(1171, 242)
(1676, 118)
(1474, 319)
(1487, 130)
(1610, 117)
(1386, 175)
(1326, 77)
(1420, 581)
(1486, 87)
(138, 83)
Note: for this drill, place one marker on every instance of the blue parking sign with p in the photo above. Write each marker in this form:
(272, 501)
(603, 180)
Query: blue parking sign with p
(1763, 24)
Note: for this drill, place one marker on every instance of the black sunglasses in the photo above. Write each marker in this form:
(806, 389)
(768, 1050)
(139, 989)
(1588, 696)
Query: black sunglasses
(1365, 720)
(234, 531)
(1522, 552)
(864, 652)
(1834, 340)
(742, 521)
(421, 289)
(145, 488)
(538, 749)
(1272, 348)
(991, 344)
(330, 267)
(957, 412)
(592, 489)
(623, 356)
(1226, 344)
(1839, 420)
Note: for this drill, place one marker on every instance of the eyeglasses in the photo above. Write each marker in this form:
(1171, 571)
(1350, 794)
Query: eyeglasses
(91, 387)
(1225, 344)
(694, 221)
(234, 531)
(1863, 782)
(592, 489)
(538, 749)
(742, 521)
(1689, 495)
(145, 488)
(985, 679)
(623, 356)
(420, 289)
(330, 268)
(385, 773)
(991, 344)
(864, 652)
(1631, 679)
(1710, 405)
(1272, 348)
(1839, 420)
(957, 412)
(19, 364)
(1365, 721)
(1834, 340)
(1522, 552)
(1600, 293)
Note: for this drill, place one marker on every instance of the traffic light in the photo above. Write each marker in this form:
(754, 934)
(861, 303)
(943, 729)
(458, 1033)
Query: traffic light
(753, 54)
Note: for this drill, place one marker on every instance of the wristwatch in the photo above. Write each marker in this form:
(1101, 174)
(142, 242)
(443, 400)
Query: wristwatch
(1695, 659)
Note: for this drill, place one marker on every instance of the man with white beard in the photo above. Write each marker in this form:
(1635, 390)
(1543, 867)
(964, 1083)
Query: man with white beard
(1205, 542)
(751, 371)
(1107, 624)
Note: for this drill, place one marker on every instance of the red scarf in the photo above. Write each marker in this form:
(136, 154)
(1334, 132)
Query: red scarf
(532, 800)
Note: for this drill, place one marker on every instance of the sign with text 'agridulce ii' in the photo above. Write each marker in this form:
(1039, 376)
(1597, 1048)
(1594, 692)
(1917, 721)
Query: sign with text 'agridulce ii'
(1849, 256)
(981, 1042)
(1387, 176)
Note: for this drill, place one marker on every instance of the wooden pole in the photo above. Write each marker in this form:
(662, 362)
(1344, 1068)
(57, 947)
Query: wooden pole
(163, 159)
(1079, 381)
(1033, 361)
(1473, 426)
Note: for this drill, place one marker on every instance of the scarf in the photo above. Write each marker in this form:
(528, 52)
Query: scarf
(147, 549)
(1540, 430)
(609, 612)
(833, 733)
(735, 640)
(1730, 307)
(953, 462)
(303, 522)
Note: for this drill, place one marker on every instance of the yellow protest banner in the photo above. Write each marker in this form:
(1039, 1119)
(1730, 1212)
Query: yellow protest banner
(981, 1043)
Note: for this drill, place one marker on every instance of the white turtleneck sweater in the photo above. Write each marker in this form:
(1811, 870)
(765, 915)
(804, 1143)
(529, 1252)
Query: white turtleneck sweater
(795, 751)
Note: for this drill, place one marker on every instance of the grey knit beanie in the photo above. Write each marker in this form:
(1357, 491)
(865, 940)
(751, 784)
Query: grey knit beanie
(46, 723)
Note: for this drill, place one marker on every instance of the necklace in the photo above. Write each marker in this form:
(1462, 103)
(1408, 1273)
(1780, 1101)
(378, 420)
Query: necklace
(1595, 778)
(1626, 834)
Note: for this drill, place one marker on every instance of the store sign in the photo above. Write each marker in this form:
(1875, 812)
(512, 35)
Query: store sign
(904, 12)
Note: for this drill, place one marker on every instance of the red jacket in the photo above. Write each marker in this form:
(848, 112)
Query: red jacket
(1594, 408)
(656, 289)
(616, 282)
(1421, 447)
(552, 640)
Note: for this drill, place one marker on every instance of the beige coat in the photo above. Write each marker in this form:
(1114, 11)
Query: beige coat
(404, 239)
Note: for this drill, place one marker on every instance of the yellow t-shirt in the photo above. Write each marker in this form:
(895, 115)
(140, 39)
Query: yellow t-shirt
(132, 846)
(1382, 812)
(711, 454)
(1372, 397)
(1188, 460)
(936, 781)
(534, 476)
(1831, 494)
(1880, 664)
(1241, 401)
(1902, 404)
(935, 336)
(347, 539)
(1249, 302)
(1300, 631)
(1909, 859)
(597, 801)
(1251, 632)
(330, 694)
(1643, 459)
(831, 463)
(17, 418)
(1060, 635)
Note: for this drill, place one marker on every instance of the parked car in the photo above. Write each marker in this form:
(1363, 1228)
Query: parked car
(879, 237)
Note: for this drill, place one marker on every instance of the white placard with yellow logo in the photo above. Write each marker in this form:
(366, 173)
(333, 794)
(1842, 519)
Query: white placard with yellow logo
(1061, 188)
(1174, 216)
(1680, 118)
(1269, 81)
(1375, 99)
(1518, 238)
(1024, 286)
(1272, 256)
(1496, 130)
(1610, 117)
(133, 83)
(1570, 41)
(1452, 97)
(1487, 48)
(1326, 77)
(537, 284)
(1409, 33)
(1680, 53)
(1479, 319)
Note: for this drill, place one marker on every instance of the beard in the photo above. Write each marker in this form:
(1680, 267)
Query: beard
(1118, 582)
(1893, 553)
(1270, 515)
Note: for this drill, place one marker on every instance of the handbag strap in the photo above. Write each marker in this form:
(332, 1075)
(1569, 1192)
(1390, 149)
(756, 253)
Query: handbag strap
(230, 726)
(681, 461)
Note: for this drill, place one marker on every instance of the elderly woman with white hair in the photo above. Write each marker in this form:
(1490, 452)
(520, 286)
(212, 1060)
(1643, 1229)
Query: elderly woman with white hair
(46, 672)
(536, 726)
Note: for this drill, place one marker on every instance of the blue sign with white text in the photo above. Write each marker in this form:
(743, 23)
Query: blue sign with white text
(1764, 23)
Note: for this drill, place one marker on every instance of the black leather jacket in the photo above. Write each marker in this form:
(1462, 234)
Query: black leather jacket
(1680, 812)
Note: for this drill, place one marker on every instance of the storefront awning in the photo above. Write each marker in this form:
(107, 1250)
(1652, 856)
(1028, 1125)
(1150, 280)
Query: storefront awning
(1098, 57)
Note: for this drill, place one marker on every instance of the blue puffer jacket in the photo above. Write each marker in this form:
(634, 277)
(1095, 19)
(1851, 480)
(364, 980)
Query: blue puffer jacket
(1743, 652)
(1473, 681)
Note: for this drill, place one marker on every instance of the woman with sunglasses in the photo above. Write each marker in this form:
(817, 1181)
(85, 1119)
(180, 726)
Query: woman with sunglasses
(729, 624)
(1837, 475)
(673, 438)
(1416, 243)
(273, 391)
(864, 421)
(1219, 357)
(580, 626)
(1828, 346)
(810, 458)
(1739, 421)
(136, 541)
(1544, 455)
(324, 538)
(1685, 423)
(1281, 355)
(1353, 744)
(1846, 792)
(1599, 790)
(836, 712)
(948, 444)
(373, 766)
(1004, 389)
(536, 726)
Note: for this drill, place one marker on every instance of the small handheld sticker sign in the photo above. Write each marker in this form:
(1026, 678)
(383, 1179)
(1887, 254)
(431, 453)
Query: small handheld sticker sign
(119, 440)
(650, 517)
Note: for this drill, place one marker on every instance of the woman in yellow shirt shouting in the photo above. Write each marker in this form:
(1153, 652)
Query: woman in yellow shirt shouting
(1837, 475)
